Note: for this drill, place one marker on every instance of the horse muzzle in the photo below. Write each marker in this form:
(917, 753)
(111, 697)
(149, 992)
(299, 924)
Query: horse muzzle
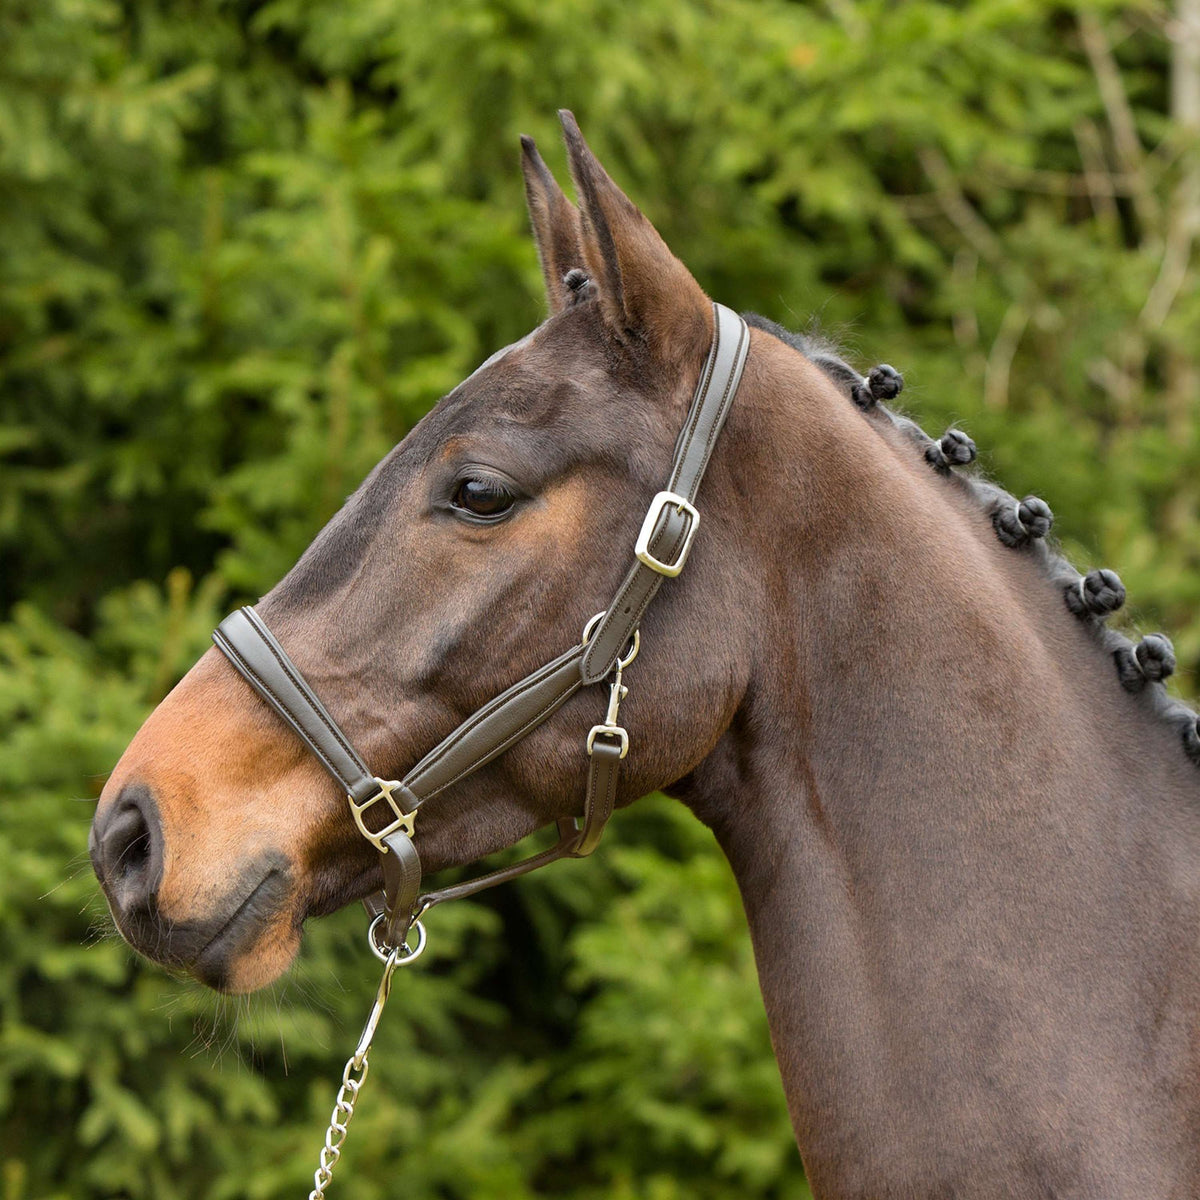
(127, 850)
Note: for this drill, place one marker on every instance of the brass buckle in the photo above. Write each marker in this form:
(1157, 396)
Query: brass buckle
(403, 821)
(608, 731)
(641, 547)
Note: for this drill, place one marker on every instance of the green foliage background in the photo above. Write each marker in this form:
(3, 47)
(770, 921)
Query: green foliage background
(243, 246)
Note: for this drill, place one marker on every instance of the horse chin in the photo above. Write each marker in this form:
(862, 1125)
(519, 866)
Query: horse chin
(256, 943)
(253, 968)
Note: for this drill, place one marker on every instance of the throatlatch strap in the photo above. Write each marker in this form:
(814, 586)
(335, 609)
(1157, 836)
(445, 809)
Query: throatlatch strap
(674, 526)
(567, 836)
(604, 771)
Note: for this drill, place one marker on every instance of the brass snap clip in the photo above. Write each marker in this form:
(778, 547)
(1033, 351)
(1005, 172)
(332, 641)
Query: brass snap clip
(616, 693)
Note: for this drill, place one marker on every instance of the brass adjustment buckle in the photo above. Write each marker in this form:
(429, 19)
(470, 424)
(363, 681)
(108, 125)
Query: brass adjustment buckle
(403, 822)
(641, 548)
(606, 730)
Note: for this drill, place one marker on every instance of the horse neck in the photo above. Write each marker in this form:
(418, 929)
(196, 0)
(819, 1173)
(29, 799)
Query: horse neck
(962, 849)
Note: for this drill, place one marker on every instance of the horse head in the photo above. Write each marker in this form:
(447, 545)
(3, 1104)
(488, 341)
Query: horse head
(475, 550)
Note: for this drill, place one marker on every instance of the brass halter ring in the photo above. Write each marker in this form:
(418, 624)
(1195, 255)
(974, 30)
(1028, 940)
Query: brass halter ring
(404, 953)
(635, 642)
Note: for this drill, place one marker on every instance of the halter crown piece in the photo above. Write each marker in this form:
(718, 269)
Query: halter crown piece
(385, 810)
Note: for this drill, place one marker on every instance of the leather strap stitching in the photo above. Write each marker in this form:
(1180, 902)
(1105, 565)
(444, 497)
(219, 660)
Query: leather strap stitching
(449, 744)
(603, 772)
(516, 735)
(717, 424)
(640, 577)
(686, 476)
(261, 684)
(697, 409)
(301, 685)
(640, 586)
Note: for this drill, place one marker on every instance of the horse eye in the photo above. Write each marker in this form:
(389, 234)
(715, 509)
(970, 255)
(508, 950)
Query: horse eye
(483, 498)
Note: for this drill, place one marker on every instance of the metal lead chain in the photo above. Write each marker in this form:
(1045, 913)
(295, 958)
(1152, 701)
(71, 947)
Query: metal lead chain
(355, 1072)
(335, 1135)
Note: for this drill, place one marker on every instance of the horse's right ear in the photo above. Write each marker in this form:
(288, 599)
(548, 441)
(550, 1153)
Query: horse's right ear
(647, 296)
(555, 227)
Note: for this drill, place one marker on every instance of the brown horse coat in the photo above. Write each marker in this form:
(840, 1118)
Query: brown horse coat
(970, 860)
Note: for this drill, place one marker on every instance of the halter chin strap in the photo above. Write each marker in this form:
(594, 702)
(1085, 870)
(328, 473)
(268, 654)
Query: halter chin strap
(385, 810)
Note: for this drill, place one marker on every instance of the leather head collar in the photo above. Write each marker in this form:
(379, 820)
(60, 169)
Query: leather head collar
(385, 811)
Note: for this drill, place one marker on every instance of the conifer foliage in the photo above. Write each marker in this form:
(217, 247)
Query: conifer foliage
(246, 244)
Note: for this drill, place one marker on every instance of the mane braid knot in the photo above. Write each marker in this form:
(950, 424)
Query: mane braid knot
(1097, 594)
(1023, 522)
(883, 382)
(1151, 661)
(1090, 597)
(579, 283)
(953, 449)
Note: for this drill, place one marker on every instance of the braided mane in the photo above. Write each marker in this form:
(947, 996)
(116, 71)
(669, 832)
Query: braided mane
(1023, 524)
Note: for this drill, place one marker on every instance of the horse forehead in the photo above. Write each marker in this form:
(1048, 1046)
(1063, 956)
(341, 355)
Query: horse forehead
(500, 378)
(503, 352)
(528, 381)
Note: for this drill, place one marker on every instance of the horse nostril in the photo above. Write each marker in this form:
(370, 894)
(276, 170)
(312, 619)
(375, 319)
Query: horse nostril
(127, 846)
(127, 849)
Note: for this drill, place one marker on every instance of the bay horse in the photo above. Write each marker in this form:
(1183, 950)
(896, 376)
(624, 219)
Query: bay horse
(962, 813)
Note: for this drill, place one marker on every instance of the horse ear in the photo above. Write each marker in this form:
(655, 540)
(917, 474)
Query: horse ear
(555, 226)
(646, 293)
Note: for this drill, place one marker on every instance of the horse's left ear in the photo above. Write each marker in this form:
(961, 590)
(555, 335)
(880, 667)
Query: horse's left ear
(646, 294)
(555, 228)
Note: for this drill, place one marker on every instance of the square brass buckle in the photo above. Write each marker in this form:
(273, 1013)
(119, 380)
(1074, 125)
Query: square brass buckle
(403, 821)
(641, 547)
(613, 731)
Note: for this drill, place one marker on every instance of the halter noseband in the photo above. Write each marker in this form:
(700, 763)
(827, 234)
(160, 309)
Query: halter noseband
(608, 645)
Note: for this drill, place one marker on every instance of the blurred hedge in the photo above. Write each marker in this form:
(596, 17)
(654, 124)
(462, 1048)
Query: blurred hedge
(245, 245)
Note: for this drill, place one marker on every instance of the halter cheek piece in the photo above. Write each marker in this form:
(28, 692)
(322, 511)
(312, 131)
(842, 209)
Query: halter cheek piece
(385, 810)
